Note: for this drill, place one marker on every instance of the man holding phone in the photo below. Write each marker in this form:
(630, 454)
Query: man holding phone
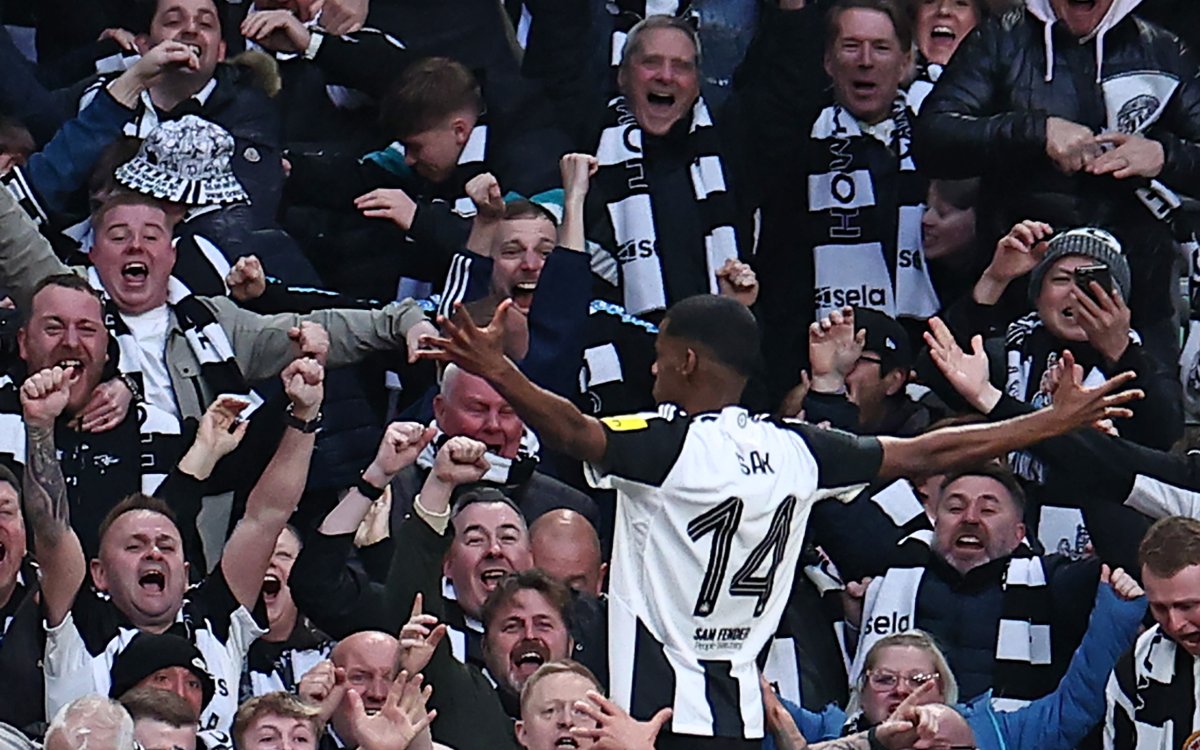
(1078, 282)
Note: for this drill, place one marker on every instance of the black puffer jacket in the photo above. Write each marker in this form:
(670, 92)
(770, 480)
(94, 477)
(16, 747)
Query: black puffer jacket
(987, 116)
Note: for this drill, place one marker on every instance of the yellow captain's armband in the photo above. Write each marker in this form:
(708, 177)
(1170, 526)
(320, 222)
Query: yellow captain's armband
(625, 424)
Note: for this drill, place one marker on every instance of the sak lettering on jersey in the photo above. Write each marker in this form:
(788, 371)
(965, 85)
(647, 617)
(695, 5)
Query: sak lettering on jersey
(759, 463)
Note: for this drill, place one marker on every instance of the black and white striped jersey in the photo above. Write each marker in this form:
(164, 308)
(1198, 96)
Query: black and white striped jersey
(81, 650)
(711, 511)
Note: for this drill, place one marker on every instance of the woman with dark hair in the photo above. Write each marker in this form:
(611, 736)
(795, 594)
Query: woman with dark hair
(939, 26)
(949, 239)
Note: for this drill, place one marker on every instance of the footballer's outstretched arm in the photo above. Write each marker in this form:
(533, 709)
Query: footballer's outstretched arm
(1074, 407)
(480, 351)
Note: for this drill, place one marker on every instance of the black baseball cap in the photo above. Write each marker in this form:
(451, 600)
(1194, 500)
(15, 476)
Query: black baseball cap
(149, 652)
(886, 339)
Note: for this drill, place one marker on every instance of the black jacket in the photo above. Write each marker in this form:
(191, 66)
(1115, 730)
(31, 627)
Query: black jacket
(987, 116)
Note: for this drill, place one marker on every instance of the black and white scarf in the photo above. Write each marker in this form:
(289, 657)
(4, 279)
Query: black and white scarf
(208, 342)
(621, 179)
(1023, 645)
(1030, 351)
(865, 201)
(1151, 697)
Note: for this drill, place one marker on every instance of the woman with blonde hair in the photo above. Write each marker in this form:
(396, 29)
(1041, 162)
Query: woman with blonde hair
(899, 665)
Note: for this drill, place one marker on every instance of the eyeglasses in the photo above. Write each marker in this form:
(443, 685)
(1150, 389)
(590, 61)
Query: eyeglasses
(881, 680)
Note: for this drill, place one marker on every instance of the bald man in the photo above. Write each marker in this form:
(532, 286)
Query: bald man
(369, 659)
(566, 545)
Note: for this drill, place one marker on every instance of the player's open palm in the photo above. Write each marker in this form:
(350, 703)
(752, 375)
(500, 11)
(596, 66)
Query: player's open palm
(401, 719)
(44, 395)
(477, 350)
(419, 638)
(1080, 406)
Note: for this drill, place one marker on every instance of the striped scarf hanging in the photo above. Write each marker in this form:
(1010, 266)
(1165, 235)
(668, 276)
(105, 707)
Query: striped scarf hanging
(621, 179)
(161, 429)
(1151, 697)
(1023, 645)
(865, 202)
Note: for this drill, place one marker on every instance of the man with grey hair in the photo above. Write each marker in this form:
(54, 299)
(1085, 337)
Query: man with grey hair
(92, 722)
(668, 227)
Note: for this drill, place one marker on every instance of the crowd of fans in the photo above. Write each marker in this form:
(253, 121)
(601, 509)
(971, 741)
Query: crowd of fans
(475, 374)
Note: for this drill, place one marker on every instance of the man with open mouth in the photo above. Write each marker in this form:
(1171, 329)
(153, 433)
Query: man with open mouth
(140, 573)
(1075, 113)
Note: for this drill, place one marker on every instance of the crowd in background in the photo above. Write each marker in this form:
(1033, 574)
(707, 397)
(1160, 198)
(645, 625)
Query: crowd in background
(266, 482)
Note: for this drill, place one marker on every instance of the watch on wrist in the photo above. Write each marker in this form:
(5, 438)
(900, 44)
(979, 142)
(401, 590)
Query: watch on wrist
(296, 423)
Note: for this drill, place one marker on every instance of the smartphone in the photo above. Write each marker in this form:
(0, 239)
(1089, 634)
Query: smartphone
(1099, 273)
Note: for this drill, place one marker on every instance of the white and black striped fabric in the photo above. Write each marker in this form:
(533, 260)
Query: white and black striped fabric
(621, 179)
(865, 202)
(1023, 644)
(1151, 697)
(207, 341)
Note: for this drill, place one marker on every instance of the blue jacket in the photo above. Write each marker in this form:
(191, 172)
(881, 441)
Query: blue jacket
(1058, 721)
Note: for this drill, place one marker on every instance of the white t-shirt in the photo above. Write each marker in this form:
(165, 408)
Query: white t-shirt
(149, 330)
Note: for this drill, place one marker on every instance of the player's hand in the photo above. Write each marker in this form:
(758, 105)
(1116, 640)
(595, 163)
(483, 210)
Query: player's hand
(277, 31)
(780, 723)
(392, 204)
(304, 384)
(484, 191)
(968, 373)
(1121, 582)
(577, 171)
(738, 281)
(402, 717)
(312, 341)
(615, 729)
(323, 686)
(246, 280)
(460, 460)
(1070, 146)
(107, 407)
(44, 396)
(1105, 320)
(834, 348)
(1134, 156)
(479, 351)
(1077, 406)
(419, 637)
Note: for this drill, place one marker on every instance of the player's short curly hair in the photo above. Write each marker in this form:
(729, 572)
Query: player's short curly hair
(724, 326)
